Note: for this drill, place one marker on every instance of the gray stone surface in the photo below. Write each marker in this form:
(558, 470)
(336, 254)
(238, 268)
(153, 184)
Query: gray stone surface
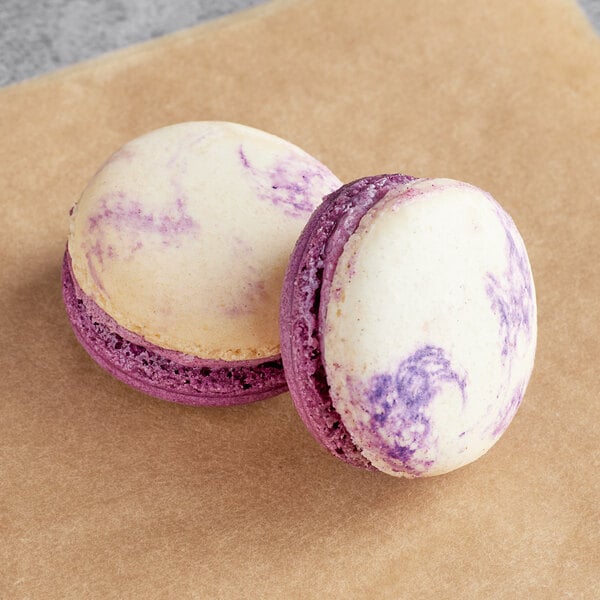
(37, 36)
(592, 10)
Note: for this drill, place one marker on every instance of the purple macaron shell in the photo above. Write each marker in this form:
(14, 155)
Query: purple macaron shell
(304, 303)
(160, 372)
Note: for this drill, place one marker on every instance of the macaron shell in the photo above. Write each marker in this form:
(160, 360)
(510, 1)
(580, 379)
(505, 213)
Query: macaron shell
(430, 329)
(165, 374)
(304, 294)
(184, 234)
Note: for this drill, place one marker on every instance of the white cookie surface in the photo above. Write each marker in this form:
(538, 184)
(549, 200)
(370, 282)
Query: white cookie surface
(184, 234)
(430, 331)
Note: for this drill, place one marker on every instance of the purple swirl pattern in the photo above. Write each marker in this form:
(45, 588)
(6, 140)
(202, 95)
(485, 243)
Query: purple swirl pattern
(293, 183)
(399, 402)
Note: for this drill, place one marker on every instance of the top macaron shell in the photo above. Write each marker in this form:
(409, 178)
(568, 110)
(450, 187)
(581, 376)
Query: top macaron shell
(184, 234)
(429, 328)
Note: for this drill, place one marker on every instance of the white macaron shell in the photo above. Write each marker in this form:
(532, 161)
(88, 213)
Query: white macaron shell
(184, 234)
(430, 332)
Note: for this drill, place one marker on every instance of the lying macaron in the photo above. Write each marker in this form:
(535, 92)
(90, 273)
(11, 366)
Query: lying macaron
(176, 257)
(408, 324)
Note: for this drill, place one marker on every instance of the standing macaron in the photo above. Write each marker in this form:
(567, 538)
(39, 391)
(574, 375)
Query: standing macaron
(408, 324)
(176, 258)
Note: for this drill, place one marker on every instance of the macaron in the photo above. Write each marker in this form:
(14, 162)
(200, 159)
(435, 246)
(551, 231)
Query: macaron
(176, 257)
(408, 324)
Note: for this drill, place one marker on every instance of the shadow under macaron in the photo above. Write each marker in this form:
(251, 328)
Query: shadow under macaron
(245, 480)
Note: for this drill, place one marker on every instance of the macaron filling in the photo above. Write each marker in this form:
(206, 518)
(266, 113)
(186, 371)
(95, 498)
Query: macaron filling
(160, 372)
(304, 300)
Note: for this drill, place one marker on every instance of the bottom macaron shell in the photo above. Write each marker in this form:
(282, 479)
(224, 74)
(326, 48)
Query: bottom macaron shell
(162, 373)
(306, 285)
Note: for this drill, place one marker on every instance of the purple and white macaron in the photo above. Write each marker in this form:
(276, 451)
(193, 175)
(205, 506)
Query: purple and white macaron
(176, 257)
(408, 324)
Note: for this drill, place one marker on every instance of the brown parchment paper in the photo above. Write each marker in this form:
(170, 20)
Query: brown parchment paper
(106, 493)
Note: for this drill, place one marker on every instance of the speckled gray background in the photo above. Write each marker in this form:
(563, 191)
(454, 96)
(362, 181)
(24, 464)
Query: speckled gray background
(37, 36)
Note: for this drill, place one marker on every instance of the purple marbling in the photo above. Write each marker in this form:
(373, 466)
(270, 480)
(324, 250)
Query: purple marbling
(399, 403)
(292, 183)
(511, 294)
(508, 411)
(125, 215)
(512, 301)
(177, 158)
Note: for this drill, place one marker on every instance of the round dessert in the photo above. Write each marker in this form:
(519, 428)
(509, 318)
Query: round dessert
(408, 324)
(176, 257)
